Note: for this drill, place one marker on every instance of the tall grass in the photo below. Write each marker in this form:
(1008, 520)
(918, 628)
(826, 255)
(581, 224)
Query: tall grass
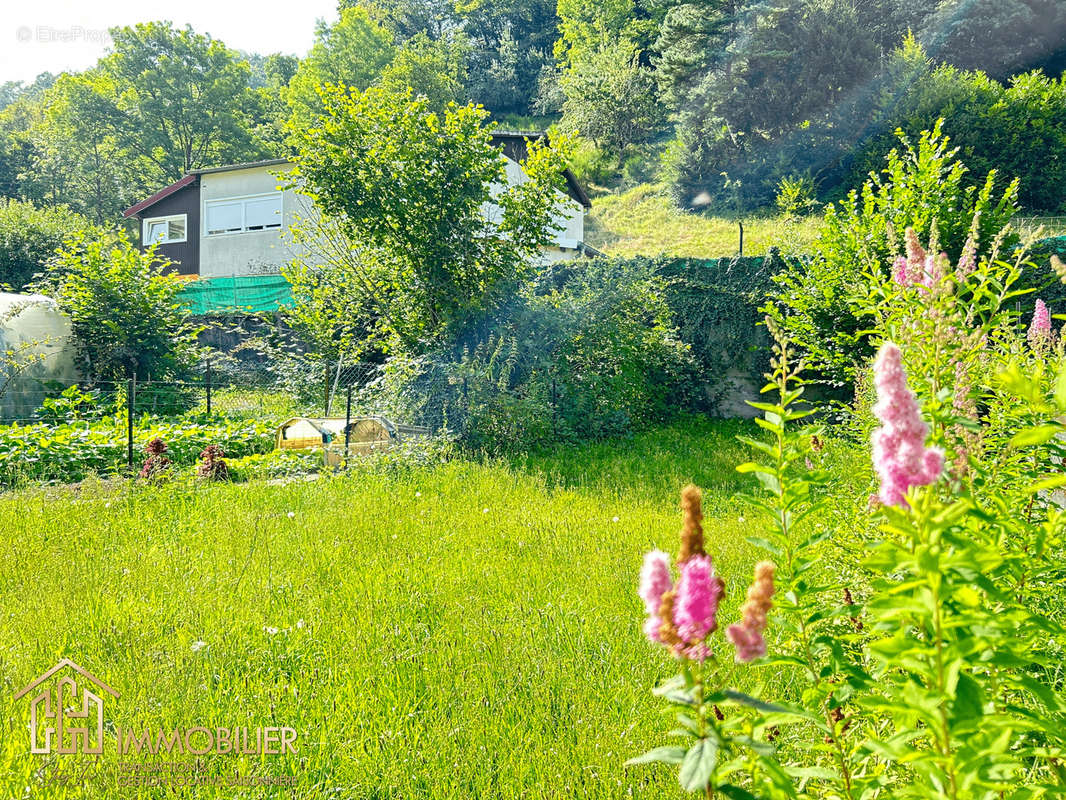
(466, 630)
(643, 221)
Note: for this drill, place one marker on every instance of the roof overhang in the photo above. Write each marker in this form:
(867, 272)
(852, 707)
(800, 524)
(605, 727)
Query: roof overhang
(165, 192)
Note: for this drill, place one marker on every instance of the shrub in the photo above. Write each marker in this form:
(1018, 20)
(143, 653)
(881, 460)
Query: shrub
(926, 661)
(30, 238)
(123, 308)
(821, 302)
(587, 351)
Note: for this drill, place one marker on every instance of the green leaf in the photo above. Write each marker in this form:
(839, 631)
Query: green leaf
(1035, 435)
(698, 766)
(661, 755)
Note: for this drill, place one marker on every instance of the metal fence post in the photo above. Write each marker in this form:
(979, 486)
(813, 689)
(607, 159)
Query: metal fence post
(325, 393)
(131, 397)
(347, 424)
(207, 386)
(555, 411)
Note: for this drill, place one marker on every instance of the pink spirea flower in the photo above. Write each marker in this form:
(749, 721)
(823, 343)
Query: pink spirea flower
(747, 635)
(899, 271)
(655, 581)
(698, 593)
(968, 260)
(1040, 328)
(917, 259)
(900, 456)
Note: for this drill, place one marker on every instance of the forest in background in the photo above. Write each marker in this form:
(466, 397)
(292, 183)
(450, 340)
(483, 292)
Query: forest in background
(730, 105)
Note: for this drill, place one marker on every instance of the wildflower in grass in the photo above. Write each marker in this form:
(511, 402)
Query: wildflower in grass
(1040, 328)
(900, 456)
(198, 645)
(655, 581)
(691, 530)
(696, 608)
(747, 635)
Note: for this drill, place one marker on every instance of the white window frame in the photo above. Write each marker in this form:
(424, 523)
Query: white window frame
(243, 199)
(148, 221)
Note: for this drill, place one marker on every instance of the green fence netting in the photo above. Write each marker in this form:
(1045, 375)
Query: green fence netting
(249, 293)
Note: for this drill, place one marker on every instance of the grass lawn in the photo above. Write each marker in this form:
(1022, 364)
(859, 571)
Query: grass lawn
(642, 221)
(466, 630)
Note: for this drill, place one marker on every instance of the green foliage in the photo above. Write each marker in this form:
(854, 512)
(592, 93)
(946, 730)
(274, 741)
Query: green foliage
(587, 351)
(122, 307)
(1015, 129)
(611, 99)
(821, 302)
(30, 238)
(185, 100)
(353, 52)
(999, 37)
(796, 196)
(435, 70)
(411, 186)
(273, 465)
(67, 452)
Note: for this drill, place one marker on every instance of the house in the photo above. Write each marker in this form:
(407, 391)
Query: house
(230, 221)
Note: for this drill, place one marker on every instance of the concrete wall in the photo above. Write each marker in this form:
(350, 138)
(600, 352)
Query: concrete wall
(249, 252)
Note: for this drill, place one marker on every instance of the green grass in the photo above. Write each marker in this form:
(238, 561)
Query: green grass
(466, 630)
(643, 221)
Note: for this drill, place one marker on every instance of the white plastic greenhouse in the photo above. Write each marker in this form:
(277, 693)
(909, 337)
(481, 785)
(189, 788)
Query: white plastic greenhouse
(36, 343)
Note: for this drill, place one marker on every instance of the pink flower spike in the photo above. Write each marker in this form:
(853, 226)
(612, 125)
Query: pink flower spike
(655, 580)
(1040, 328)
(698, 593)
(899, 271)
(900, 456)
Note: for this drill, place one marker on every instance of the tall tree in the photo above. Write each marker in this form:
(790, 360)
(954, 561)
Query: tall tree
(186, 97)
(353, 51)
(81, 136)
(442, 235)
(1000, 37)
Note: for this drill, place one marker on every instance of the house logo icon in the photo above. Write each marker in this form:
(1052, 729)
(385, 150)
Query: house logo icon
(66, 712)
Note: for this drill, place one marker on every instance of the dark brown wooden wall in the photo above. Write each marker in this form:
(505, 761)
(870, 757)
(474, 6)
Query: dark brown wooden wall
(185, 254)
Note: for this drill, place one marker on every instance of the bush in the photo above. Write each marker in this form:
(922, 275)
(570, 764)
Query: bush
(123, 308)
(822, 301)
(926, 661)
(30, 237)
(589, 350)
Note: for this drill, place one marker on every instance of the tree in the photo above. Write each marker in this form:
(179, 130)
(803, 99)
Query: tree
(123, 308)
(186, 99)
(612, 100)
(435, 70)
(768, 106)
(353, 52)
(1000, 37)
(442, 236)
(81, 136)
(30, 238)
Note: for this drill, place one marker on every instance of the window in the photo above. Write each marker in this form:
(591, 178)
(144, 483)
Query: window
(257, 213)
(164, 230)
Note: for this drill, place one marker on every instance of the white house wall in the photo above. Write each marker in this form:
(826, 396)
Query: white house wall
(247, 252)
(264, 252)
